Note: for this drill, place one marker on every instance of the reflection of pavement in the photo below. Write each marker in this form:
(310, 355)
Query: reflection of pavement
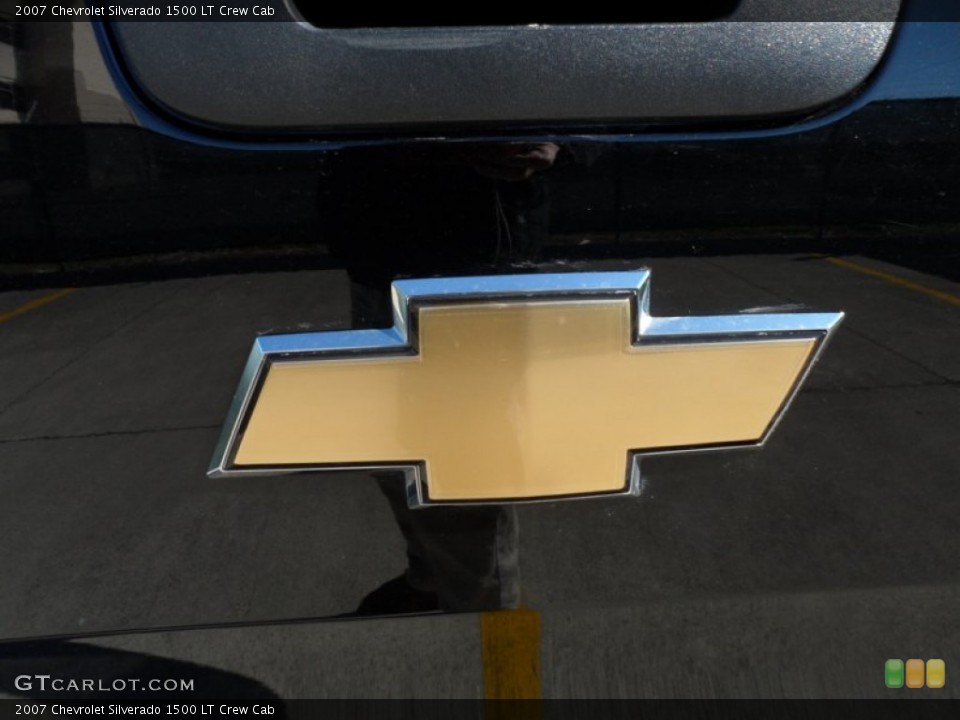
(834, 546)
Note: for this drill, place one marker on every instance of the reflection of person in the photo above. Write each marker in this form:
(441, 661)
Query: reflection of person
(433, 210)
(458, 557)
(418, 213)
(513, 161)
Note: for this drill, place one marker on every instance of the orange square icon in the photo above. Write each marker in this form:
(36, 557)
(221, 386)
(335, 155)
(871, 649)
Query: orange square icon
(915, 672)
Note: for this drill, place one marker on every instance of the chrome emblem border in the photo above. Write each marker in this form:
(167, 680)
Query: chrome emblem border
(401, 339)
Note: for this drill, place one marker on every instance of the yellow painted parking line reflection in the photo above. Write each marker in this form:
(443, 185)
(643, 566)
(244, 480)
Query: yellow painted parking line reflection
(896, 280)
(34, 304)
(511, 656)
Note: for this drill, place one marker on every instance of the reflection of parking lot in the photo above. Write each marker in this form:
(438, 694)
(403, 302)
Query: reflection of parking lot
(834, 545)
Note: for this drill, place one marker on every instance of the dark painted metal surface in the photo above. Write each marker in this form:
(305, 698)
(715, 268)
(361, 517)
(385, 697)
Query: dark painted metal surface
(733, 566)
(77, 193)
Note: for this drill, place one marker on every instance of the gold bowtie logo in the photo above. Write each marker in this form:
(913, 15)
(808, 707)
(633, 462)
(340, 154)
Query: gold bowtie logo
(517, 388)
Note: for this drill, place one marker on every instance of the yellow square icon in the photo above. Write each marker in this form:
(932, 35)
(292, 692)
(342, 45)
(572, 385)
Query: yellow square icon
(936, 673)
(914, 673)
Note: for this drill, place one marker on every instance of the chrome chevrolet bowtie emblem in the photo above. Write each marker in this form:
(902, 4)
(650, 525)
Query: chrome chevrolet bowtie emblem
(510, 388)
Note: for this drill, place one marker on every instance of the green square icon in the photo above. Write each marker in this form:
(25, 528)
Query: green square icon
(893, 673)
